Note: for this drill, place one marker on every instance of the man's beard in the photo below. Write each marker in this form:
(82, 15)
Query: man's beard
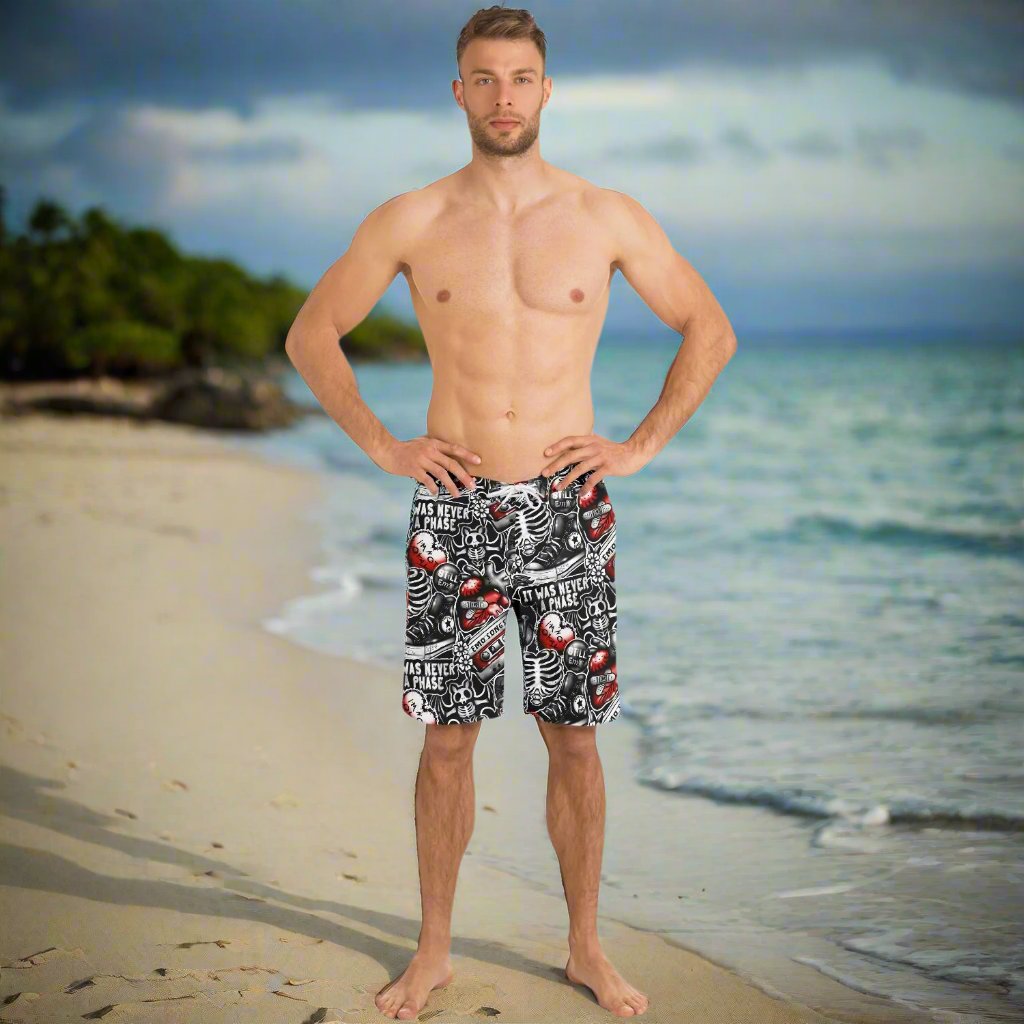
(504, 145)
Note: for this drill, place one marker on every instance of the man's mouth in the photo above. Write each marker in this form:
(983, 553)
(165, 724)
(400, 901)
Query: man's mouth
(504, 124)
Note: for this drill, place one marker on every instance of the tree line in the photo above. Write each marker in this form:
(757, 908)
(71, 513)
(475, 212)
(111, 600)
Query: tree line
(90, 296)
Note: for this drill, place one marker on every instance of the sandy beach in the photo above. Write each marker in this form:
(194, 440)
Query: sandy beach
(191, 831)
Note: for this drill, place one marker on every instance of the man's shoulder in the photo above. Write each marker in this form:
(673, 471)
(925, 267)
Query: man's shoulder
(405, 208)
(398, 221)
(627, 223)
(610, 202)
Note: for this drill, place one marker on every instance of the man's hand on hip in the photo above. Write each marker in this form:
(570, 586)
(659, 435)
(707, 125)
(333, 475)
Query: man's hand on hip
(423, 457)
(591, 452)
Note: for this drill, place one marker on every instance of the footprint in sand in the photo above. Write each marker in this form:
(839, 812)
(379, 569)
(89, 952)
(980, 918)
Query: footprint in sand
(42, 957)
(20, 1000)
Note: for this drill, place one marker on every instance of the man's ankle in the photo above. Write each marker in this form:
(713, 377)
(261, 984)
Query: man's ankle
(584, 945)
(434, 944)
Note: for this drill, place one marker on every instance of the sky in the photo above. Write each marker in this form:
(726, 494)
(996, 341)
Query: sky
(823, 164)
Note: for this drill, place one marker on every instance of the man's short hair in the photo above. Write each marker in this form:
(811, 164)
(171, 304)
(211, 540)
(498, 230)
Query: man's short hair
(501, 23)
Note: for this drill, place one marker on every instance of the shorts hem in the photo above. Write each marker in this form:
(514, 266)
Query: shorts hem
(555, 721)
(453, 721)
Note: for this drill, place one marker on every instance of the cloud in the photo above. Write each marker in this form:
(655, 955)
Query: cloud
(399, 54)
(674, 149)
(816, 144)
(119, 152)
(883, 147)
(154, 162)
(743, 146)
(251, 151)
(772, 148)
(879, 147)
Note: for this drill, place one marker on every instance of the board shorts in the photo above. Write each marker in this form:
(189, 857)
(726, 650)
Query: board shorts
(549, 555)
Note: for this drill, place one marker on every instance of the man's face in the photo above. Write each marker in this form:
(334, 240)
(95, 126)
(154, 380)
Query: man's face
(502, 81)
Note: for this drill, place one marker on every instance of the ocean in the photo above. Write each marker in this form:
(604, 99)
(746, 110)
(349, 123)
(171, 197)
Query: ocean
(820, 590)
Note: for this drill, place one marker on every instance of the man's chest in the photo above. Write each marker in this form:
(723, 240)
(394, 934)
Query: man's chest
(472, 266)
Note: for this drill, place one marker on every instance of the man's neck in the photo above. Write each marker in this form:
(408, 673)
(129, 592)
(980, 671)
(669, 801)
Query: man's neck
(507, 183)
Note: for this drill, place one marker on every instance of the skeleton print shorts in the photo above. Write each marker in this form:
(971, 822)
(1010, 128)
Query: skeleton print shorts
(547, 554)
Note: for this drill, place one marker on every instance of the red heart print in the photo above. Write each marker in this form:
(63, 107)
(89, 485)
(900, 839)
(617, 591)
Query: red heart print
(471, 612)
(424, 552)
(552, 634)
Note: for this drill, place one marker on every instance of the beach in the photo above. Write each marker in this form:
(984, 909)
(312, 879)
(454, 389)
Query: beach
(196, 827)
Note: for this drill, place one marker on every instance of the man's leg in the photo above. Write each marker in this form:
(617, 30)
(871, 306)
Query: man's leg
(445, 797)
(575, 818)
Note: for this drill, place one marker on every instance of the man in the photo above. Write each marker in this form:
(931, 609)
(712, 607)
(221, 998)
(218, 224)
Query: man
(509, 262)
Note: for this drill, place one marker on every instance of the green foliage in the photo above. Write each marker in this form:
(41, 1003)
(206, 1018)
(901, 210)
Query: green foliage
(381, 333)
(94, 296)
(120, 346)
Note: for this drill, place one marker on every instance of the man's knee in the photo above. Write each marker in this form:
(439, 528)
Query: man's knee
(450, 744)
(570, 741)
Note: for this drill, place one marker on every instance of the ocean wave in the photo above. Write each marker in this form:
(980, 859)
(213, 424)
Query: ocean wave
(818, 526)
(654, 712)
(805, 803)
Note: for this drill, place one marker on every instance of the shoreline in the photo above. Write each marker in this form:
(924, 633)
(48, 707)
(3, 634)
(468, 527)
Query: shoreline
(175, 774)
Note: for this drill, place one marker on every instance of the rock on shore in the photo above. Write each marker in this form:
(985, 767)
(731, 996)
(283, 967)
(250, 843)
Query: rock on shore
(210, 397)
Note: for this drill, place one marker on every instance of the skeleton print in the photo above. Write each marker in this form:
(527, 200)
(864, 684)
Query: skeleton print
(548, 555)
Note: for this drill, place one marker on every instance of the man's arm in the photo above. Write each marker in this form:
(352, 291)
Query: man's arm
(341, 299)
(682, 299)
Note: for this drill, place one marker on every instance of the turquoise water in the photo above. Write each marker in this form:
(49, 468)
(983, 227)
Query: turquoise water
(820, 585)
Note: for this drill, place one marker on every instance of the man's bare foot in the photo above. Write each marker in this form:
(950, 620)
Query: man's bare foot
(404, 997)
(612, 990)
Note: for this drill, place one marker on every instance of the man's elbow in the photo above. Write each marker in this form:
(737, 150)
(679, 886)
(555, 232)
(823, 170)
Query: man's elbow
(717, 335)
(292, 344)
(724, 337)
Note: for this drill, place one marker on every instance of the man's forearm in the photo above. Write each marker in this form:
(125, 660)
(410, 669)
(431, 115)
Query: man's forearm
(700, 359)
(322, 365)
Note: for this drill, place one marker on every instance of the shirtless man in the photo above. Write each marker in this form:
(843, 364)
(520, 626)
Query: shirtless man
(509, 262)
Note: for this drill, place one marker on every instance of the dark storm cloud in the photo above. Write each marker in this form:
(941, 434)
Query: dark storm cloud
(111, 153)
(815, 145)
(115, 152)
(882, 147)
(400, 53)
(686, 149)
(258, 151)
(675, 149)
(743, 146)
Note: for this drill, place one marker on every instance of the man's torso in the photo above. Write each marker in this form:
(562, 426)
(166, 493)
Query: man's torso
(511, 309)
